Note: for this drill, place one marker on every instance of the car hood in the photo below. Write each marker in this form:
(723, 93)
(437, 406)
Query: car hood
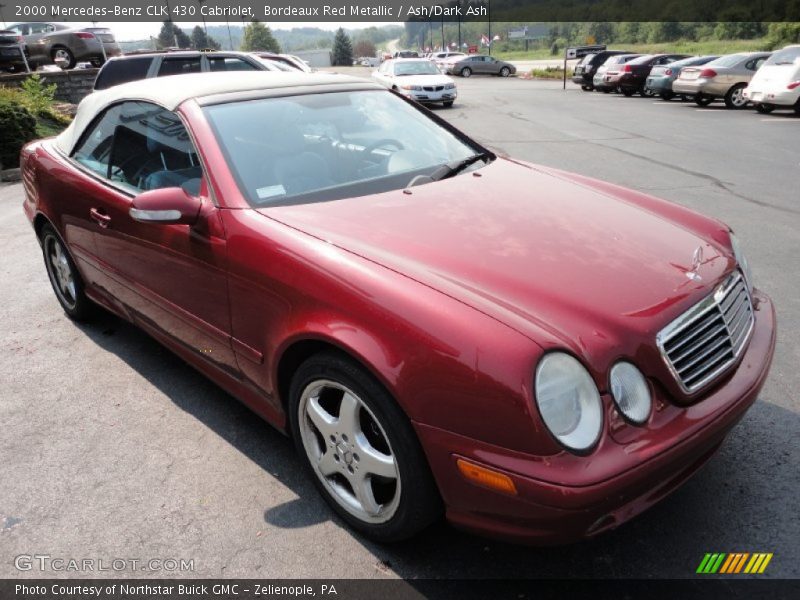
(559, 260)
(433, 79)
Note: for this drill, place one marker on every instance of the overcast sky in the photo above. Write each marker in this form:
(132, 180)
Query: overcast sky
(141, 31)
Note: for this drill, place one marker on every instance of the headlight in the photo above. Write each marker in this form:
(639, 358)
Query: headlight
(740, 258)
(568, 401)
(450, 86)
(630, 392)
(414, 88)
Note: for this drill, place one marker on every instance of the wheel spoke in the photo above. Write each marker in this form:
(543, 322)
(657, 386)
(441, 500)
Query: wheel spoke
(327, 465)
(362, 486)
(70, 285)
(348, 415)
(373, 461)
(320, 417)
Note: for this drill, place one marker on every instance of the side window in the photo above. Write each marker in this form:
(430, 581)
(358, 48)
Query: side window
(179, 66)
(121, 71)
(142, 147)
(755, 64)
(219, 63)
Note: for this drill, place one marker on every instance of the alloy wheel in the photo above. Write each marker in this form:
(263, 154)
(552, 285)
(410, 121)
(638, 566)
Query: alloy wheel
(60, 271)
(349, 451)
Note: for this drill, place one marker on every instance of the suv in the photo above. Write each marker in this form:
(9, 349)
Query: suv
(159, 64)
(584, 71)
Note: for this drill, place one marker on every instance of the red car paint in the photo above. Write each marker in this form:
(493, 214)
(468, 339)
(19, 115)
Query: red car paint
(449, 295)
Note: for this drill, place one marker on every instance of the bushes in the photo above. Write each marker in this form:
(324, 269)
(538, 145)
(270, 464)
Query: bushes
(19, 127)
(37, 96)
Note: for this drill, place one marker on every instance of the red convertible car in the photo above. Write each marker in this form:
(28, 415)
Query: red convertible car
(539, 355)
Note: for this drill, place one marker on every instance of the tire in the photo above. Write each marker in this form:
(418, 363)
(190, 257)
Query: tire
(505, 72)
(587, 88)
(667, 96)
(764, 109)
(702, 100)
(734, 99)
(66, 54)
(606, 90)
(64, 277)
(627, 92)
(466, 72)
(396, 505)
(646, 93)
(448, 104)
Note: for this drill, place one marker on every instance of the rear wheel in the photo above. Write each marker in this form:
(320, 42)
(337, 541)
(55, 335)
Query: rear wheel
(702, 100)
(505, 72)
(361, 449)
(63, 57)
(765, 109)
(587, 88)
(646, 92)
(797, 107)
(735, 97)
(466, 72)
(64, 277)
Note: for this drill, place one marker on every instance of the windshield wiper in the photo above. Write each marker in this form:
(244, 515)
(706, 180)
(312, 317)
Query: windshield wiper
(455, 167)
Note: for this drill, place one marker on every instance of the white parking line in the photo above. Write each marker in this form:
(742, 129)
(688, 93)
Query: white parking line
(779, 120)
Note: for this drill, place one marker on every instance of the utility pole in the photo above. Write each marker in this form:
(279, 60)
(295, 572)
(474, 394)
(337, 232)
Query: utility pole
(2, 16)
(169, 18)
(459, 25)
(443, 48)
(205, 29)
(489, 3)
(230, 37)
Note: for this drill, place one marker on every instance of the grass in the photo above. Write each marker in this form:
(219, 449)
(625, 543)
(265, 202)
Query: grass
(548, 73)
(682, 47)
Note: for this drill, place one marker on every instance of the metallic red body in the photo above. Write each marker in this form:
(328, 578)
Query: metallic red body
(449, 295)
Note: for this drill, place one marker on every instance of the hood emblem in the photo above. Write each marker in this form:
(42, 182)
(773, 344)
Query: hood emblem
(697, 260)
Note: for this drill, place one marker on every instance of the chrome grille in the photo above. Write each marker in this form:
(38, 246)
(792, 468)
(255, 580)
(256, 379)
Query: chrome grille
(707, 339)
(433, 88)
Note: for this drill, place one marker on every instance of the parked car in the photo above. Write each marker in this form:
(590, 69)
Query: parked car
(777, 83)
(418, 79)
(480, 64)
(358, 272)
(442, 58)
(584, 72)
(12, 51)
(66, 45)
(632, 76)
(180, 62)
(661, 78)
(406, 54)
(726, 78)
(293, 62)
(612, 66)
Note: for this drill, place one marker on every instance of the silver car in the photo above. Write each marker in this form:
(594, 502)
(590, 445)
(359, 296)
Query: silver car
(480, 64)
(725, 77)
(66, 45)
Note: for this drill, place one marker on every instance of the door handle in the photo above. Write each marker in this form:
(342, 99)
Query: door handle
(101, 219)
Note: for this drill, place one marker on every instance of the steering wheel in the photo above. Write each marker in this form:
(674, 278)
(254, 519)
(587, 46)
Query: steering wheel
(367, 152)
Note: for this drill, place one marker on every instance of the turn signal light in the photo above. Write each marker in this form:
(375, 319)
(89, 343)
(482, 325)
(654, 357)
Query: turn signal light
(793, 85)
(486, 477)
(708, 73)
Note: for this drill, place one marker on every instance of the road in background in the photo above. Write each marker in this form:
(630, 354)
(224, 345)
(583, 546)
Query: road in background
(112, 447)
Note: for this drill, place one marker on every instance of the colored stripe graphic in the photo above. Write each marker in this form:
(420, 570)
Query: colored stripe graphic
(723, 563)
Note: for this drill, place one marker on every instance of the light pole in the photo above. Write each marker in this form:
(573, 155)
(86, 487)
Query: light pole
(489, 10)
(202, 16)
(230, 37)
(169, 18)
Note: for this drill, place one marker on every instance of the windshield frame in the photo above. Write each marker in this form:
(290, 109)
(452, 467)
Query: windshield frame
(371, 186)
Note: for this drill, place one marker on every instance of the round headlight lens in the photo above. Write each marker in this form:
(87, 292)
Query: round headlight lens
(631, 393)
(742, 260)
(568, 401)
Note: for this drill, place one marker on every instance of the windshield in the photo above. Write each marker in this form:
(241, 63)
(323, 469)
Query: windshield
(326, 146)
(727, 61)
(787, 56)
(423, 67)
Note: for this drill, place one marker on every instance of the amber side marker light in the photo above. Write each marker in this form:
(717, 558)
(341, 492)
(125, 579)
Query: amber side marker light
(486, 477)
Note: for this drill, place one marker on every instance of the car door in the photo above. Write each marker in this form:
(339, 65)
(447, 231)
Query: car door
(170, 278)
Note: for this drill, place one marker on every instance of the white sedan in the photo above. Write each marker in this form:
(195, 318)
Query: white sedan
(418, 79)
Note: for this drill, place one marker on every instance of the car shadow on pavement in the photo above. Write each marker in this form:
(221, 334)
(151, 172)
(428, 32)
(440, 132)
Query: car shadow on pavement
(745, 499)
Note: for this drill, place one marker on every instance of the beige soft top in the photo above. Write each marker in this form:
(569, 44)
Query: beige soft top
(170, 92)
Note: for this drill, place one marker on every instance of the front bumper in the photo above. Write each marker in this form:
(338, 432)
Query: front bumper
(431, 97)
(565, 498)
(659, 84)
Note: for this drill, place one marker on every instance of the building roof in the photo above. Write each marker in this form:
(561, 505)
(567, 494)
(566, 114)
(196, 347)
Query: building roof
(170, 92)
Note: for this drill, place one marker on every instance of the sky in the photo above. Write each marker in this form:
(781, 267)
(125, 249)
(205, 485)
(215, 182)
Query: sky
(142, 30)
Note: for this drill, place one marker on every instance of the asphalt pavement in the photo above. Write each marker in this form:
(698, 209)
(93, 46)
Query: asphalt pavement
(111, 447)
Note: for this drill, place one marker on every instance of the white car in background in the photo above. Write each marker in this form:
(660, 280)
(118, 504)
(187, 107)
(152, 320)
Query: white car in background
(418, 79)
(441, 58)
(777, 83)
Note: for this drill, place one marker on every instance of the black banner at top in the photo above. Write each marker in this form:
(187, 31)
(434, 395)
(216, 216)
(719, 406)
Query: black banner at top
(403, 10)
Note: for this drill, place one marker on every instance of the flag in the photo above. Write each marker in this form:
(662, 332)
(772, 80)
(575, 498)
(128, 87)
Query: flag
(484, 40)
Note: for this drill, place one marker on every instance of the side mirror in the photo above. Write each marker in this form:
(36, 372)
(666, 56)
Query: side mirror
(171, 205)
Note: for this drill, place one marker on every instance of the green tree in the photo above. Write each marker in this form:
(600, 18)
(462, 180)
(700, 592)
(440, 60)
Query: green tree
(364, 48)
(342, 49)
(170, 33)
(258, 36)
(201, 41)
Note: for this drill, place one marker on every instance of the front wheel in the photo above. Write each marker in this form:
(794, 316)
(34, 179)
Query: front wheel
(735, 97)
(505, 72)
(64, 277)
(587, 88)
(361, 450)
(63, 57)
(702, 100)
(646, 93)
(466, 72)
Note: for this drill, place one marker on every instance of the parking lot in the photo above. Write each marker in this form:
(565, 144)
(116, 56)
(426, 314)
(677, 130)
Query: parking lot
(113, 448)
